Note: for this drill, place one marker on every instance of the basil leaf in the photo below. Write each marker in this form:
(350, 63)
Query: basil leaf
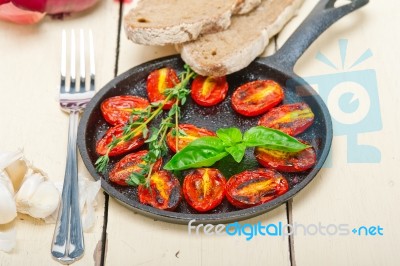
(230, 135)
(272, 139)
(237, 151)
(201, 152)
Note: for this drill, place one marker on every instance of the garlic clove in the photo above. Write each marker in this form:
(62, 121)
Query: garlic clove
(16, 171)
(8, 210)
(28, 188)
(44, 201)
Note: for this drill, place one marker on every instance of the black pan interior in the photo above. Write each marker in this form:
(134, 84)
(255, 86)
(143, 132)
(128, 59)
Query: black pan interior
(93, 126)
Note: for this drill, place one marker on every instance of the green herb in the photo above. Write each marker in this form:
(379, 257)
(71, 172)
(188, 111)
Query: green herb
(156, 141)
(206, 151)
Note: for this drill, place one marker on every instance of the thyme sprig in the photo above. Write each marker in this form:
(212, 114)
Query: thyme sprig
(156, 141)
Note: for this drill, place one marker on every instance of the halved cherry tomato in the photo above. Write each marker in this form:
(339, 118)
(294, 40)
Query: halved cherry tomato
(209, 91)
(128, 165)
(158, 81)
(286, 161)
(190, 133)
(163, 193)
(117, 110)
(122, 147)
(255, 187)
(257, 97)
(291, 119)
(204, 189)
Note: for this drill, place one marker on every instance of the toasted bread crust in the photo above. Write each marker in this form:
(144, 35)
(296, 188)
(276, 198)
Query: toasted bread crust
(225, 52)
(155, 22)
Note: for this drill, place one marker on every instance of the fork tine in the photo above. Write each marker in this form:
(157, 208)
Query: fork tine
(82, 61)
(92, 63)
(63, 60)
(72, 86)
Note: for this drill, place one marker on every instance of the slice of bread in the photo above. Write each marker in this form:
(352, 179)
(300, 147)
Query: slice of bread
(245, 6)
(228, 51)
(161, 22)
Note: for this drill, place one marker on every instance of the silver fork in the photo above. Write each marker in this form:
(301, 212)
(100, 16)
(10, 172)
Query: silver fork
(68, 243)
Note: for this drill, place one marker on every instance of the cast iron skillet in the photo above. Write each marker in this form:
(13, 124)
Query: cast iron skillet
(278, 67)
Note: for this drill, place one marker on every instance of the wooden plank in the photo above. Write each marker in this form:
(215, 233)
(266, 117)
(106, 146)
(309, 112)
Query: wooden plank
(349, 193)
(32, 120)
(137, 240)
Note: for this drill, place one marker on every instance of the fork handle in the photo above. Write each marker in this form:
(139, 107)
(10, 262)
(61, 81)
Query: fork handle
(68, 244)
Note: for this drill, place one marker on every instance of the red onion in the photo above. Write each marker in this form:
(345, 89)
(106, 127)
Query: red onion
(52, 6)
(14, 14)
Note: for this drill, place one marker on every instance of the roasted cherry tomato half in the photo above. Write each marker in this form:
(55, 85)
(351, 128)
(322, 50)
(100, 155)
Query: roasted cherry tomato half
(187, 134)
(209, 91)
(158, 81)
(128, 165)
(164, 191)
(286, 161)
(117, 110)
(122, 147)
(257, 97)
(204, 189)
(291, 119)
(255, 187)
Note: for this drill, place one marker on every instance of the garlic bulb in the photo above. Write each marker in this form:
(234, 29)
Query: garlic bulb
(37, 197)
(34, 195)
(28, 187)
(44, 201)
(8, 210)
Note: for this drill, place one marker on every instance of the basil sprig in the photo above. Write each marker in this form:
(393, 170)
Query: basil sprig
(206, 151)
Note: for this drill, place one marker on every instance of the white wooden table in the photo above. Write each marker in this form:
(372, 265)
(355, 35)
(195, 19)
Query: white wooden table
(356, 194)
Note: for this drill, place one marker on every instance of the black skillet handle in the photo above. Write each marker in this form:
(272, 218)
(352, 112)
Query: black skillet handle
(321, 18)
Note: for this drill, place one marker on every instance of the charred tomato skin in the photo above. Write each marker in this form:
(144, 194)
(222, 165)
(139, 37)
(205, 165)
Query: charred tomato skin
(286, 161)
(164, 191)
(124, 147)
(204, 188)
(209, 91)
(159, 80)
(192, 132)
(256, 97)
(291, 119)
(120, 173)
(117, 110)
(254, 187)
